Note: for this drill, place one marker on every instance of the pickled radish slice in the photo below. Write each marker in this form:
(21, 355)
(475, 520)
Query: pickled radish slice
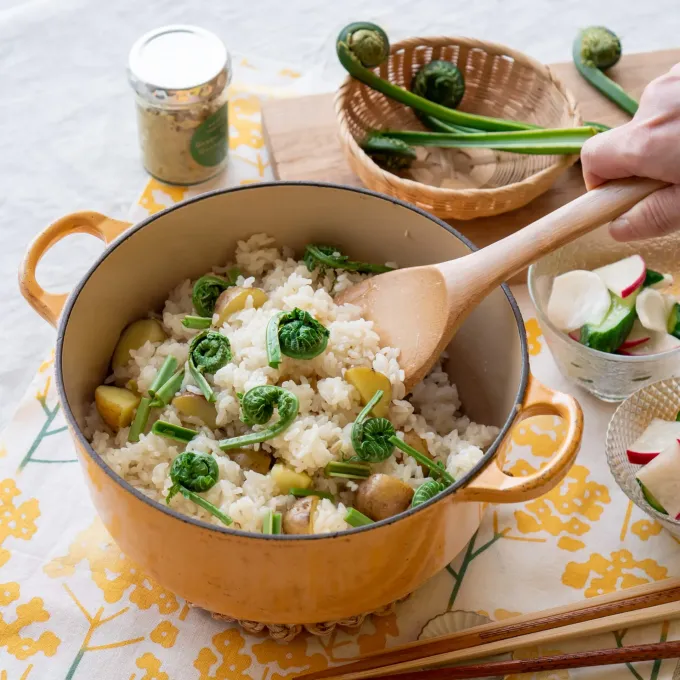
(657, 343)
(661, 477)
(637, 336)
(625, 276)
(652, 309)
(658, 435)
(578, 298)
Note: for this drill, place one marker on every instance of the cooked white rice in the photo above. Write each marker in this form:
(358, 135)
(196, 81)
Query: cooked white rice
(328, 404)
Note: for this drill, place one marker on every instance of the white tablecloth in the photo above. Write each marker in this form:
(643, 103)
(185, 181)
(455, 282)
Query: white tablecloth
(68, 138)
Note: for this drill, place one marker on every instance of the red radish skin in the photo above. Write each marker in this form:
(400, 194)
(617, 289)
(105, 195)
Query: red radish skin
(624, 277)
(628, 344)
(575, 335)
(638, 458)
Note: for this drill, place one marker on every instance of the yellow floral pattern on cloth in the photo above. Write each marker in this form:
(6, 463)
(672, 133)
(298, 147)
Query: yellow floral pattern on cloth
(73, 607)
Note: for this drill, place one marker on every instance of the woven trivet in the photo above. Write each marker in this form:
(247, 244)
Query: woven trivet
(288, 631)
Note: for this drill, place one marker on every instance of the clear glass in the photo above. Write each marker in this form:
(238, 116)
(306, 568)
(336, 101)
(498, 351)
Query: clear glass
(660, 400)
(184, 145)
(610, 377)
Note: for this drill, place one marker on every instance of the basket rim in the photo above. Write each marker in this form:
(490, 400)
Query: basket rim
(548, 174)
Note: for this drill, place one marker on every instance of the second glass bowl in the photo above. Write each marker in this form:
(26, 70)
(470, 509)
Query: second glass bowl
(610, 377)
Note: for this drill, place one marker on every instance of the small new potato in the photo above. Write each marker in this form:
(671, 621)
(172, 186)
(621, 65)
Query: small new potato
(197, 406)
(249, 459)
(299, 518)
(286, 478)
(136, 335)
(420, 445)
(116, 405)
(368, 382)
(234, 299)
(381, 496)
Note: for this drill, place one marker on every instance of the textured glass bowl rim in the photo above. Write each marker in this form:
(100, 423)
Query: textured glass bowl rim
(621, 358)
(646, 507)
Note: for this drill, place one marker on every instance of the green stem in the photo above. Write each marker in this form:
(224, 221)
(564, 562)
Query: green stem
(141, 418)
(169, 389)
(348, 470)
(355, 68)
(274, 357)
(440, 126)
(548, 142)
(206, 505)
(196, 322)
(166, 370)
(601, 82)
(170, 431)
(356, 519)
(301, 493)
(434, 469)
(202, 382)
(461, 572)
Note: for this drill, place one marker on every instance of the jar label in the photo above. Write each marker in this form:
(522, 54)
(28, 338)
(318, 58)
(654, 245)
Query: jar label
(210, 141)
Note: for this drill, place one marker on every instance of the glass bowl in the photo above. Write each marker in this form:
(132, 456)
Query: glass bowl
(660, 400)
(610, 377)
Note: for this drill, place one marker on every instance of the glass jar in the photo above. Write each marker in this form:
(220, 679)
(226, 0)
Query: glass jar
(180, 76)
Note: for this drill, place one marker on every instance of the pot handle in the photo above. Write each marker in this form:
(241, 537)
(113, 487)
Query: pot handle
(49, 305)
(492, 485)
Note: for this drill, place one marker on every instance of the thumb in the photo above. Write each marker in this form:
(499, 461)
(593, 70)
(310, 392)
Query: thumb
(656, 215)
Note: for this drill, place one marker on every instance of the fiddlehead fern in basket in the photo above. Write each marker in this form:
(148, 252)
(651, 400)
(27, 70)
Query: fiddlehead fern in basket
(257, 408)
(192, 473)
(297, 334)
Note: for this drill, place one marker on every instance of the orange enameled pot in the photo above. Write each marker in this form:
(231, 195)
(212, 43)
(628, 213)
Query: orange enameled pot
(290, 579)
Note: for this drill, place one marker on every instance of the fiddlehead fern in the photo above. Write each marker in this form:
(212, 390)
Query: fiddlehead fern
(192, 473)
(329, 257)
(429, 489)
(296, 334)
(440, 82)
(208, 352)
(371, 436)
(257, 408)
(595, 50)
(208, 288)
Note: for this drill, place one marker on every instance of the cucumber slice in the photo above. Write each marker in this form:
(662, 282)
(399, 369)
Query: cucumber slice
(649, 497)
(652, 277)
(609, 335)
(674, 321)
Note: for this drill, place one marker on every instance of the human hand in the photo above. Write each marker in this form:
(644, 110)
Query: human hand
(647, 146)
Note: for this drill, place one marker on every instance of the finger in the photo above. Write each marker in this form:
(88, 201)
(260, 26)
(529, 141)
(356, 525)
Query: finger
(607, 156)
(656, 215)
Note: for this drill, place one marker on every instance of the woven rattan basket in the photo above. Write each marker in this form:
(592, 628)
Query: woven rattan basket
(500, 82)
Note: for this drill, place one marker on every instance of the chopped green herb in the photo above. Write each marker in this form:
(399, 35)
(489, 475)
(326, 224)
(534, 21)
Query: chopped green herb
(169, 389)
(348, 470)
(299, 493)
(196, 322)
(166, 370)
(170, 431)
(141, 418)
(356, 519)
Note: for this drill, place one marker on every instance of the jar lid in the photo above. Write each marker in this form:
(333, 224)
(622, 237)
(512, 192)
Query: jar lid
(178, 65)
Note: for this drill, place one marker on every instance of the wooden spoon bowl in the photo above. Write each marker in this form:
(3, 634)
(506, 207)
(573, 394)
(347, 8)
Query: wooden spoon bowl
(419, 309)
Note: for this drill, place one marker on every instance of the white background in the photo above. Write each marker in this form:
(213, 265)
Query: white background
(67, 127)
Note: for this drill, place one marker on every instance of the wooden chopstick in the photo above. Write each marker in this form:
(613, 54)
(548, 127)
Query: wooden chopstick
(630, 600)
(599, 657)
(662, 612)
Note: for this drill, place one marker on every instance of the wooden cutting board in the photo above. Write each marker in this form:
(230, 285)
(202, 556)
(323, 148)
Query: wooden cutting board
(304, 144)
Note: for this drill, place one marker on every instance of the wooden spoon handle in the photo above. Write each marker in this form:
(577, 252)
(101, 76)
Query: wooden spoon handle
(488, 268)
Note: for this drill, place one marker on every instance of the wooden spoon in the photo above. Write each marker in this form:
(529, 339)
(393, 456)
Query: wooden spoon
(419, 309)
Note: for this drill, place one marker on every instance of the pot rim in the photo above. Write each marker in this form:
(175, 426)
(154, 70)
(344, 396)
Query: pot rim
(86, 446)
